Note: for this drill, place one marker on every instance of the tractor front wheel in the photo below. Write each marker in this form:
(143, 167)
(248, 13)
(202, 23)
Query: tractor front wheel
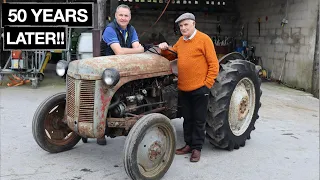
(149, 148)
(48, 128)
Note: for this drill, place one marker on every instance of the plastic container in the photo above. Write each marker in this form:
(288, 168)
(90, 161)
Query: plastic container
(85, 49)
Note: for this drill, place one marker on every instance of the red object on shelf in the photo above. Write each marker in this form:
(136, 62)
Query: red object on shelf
(16, 54)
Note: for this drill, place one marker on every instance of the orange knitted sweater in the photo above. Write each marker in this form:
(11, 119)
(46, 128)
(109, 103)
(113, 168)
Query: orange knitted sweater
(198, 64)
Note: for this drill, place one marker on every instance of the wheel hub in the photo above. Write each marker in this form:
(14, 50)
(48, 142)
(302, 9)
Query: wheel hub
(243, 108)
(155, 151)
(242, 105)
(55, 122)
(152, 149)
(57, 133)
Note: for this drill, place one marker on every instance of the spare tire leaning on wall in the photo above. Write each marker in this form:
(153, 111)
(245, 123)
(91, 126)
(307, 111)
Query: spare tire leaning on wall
(234, 103)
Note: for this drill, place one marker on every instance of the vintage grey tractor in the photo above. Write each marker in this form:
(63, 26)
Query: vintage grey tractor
(136, 96)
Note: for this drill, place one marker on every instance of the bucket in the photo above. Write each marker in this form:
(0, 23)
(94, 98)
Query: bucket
(16, 54)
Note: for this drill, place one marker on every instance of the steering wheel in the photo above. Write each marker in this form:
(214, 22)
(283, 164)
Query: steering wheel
(173, 52)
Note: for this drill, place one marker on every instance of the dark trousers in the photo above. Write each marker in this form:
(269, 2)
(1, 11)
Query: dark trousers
(193, 108)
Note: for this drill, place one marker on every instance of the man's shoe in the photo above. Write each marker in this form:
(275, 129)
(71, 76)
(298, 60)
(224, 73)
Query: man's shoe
(84, 140)
(185, 150)
(195, 156)
(102, 141)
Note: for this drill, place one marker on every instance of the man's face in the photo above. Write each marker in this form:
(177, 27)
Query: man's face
(187, 27)
(123, 17)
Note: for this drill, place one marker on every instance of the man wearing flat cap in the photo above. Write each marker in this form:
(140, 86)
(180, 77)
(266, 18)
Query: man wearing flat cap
(198, 68)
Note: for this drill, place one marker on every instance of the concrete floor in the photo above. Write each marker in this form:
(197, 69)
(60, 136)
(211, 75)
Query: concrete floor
(284, 146)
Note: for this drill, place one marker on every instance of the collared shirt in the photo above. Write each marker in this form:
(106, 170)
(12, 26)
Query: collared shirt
(109, 36)
(193, 34)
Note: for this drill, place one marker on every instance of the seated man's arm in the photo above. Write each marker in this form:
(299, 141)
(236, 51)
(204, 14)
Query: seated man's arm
(117, 49)
(110, 37)
(136, 44)
(135, 40)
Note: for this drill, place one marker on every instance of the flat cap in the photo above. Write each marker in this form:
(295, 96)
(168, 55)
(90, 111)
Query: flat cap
(184, 17)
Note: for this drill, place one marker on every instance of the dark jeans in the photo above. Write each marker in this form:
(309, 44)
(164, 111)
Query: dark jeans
(193, 108)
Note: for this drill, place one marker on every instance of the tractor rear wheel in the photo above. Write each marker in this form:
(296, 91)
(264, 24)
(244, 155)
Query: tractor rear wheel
(234, 103)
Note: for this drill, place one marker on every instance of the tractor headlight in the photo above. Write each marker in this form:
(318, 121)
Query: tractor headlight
(110, 76)
(61, 67)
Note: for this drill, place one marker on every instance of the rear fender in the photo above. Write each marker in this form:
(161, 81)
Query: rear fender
(231, 56)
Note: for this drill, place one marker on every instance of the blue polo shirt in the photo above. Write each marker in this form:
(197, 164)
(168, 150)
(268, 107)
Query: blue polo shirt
(110, 36)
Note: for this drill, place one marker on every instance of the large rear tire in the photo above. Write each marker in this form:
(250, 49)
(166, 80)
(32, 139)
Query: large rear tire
(233, 105)
(48, 128)
(149, 148)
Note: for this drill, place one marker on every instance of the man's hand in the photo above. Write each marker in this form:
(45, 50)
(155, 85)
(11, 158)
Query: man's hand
(140, 48)
(170, 54)
(136, 48)
(163, 46)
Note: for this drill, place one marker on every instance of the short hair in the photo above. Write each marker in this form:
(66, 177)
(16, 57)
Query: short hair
(123, 6)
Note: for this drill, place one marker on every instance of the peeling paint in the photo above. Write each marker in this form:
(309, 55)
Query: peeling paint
(127, 65)
(105, 100)
(297, 37)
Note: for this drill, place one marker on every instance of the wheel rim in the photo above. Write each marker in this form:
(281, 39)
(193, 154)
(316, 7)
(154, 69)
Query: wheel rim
(154, 150)
(57, 132)
(242, 105)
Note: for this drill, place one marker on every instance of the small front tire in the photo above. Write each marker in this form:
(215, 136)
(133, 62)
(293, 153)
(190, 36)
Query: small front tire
(149, 148)
(48, 128)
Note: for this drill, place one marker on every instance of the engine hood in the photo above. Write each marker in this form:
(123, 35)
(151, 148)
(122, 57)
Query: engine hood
(127, 65)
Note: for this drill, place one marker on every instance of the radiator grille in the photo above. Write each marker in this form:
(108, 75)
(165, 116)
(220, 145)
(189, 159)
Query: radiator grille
(70, 97)
(86, 99)
(86, 107)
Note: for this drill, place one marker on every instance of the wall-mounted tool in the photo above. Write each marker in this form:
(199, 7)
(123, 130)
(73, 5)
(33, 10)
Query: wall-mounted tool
(285, 20)
(247, 38)
(219, 29)
(282, 69)
(259, 25)
(241, 31)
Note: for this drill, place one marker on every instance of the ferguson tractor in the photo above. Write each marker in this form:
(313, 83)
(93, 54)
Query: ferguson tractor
(136, 96)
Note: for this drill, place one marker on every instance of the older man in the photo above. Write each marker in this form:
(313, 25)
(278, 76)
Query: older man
(198, 67)
(119, 37)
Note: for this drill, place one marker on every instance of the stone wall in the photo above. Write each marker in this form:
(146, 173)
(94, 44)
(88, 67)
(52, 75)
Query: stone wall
(315, 77)
(297, 38)
(206, 23)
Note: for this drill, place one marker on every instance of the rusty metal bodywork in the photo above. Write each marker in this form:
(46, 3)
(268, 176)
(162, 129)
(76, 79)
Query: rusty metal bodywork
(88, 98)
(126, 123)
